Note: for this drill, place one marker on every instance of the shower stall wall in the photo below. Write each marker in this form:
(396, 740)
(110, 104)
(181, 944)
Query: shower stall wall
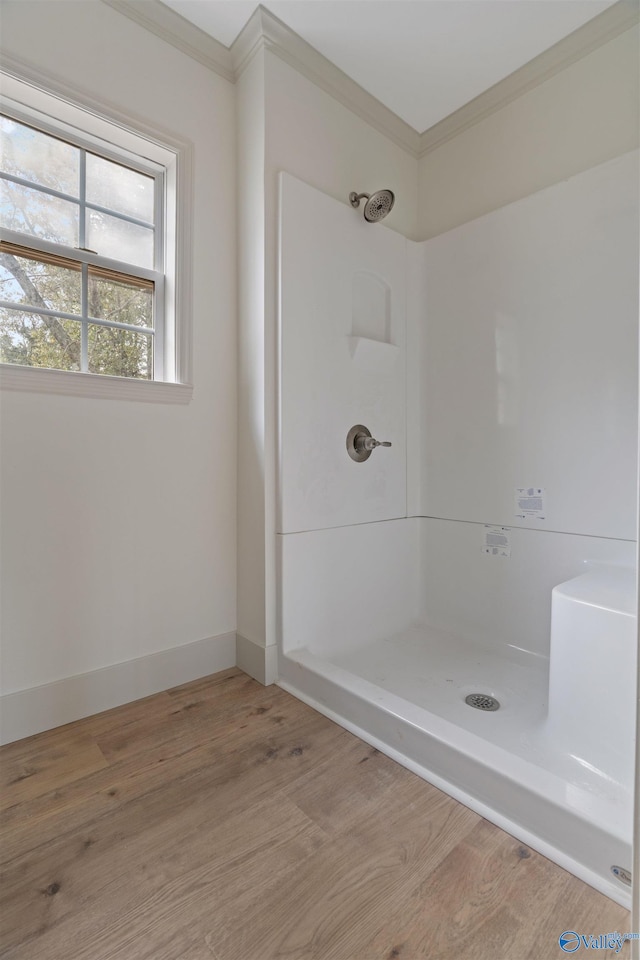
(499, 360)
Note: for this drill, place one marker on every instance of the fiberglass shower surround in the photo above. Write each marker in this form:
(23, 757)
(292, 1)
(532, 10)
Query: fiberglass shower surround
(489, 552)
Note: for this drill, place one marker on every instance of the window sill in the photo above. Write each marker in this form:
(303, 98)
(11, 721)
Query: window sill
(36, 380)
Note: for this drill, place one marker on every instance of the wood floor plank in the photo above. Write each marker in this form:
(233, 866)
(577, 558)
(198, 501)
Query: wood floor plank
(234, 698)
(169, 812)
(223, 820)
(485, 902)
(42, 770)
(169, 893)
(358, 778)
(330, 906)
(580, 908)
(138, 772)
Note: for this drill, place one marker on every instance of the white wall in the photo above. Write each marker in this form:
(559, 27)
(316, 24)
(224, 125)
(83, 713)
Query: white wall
(119, 517)
(530, 378)
(582, 116)
(251, 351)
(530, 361)
(318, 140)
(342, 362)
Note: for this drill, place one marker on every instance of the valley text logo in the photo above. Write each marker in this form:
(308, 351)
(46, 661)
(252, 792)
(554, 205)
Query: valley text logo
(570, 941)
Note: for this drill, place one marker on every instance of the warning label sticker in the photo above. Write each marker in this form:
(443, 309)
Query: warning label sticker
(530, 503)
(496, 541)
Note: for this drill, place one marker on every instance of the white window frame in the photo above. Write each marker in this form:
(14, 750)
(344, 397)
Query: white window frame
(132, 142)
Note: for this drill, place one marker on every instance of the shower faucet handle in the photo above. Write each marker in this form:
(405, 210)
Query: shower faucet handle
(363, 442)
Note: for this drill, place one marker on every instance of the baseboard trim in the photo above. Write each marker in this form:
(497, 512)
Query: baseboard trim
(258, 661)
(49, 705)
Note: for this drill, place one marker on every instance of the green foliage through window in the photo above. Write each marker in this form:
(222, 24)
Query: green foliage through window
(71, 309)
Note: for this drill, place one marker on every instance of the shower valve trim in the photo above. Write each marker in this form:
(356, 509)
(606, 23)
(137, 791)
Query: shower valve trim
(360, 443)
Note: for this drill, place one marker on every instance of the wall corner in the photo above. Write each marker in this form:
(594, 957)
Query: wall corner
(258, 661)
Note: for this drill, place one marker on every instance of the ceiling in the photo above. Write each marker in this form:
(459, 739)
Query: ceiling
(422, 58)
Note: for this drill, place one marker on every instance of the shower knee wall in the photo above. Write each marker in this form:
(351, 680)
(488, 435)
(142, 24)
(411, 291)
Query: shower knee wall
(503, 603)
(344, 587)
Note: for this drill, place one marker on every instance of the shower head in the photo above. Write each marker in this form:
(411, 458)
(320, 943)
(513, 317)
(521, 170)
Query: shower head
(378, 204)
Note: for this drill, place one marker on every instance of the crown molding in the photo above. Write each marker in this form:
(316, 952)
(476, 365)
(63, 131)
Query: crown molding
(250, 39)
(174, 29)
(595, 33)
(265, 31)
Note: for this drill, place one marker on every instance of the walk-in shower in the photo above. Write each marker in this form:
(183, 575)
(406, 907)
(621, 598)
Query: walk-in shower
(463, 598)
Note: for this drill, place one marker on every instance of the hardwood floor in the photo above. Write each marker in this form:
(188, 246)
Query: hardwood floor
(223, 820)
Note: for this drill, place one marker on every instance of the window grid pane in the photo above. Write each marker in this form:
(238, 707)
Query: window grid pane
(36, 336)
(119, 353)
(39, 341)
(38, 157)
(38, 213)
(115, 298)
(74, 314)
(119, 239)
(120, 189)
(40, 282)
(23, 206)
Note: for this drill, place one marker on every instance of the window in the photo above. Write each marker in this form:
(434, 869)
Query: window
(91, 304)
(89, 278)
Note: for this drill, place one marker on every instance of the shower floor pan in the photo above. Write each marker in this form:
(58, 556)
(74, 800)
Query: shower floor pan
(406, 696)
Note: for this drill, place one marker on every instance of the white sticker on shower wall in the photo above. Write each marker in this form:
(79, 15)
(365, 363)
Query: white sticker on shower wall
(342, 362)
(530, 503)
(496, 541)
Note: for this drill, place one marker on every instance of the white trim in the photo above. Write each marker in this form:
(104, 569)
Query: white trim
(80, 255)
(74, 384)
(51, 704)
(583, 41)
(174, 154)
(258, 661)
(179, 182)
(165, 23)
(263, 29)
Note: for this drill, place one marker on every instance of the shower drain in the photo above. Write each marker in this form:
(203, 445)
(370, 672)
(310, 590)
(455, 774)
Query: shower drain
(482, 701)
